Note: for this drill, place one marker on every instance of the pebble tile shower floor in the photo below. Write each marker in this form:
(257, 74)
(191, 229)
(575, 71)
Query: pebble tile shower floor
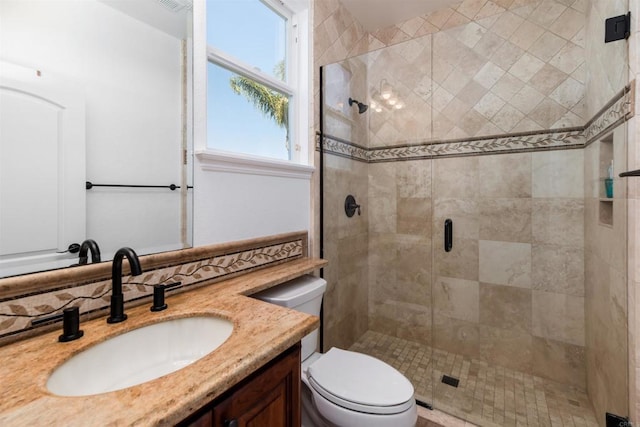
(487, 395)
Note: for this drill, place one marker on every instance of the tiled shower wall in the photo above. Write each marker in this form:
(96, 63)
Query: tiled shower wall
(498, 67)
(511, 290)
(346, 246)
(513, 294)
(400, 262)
(519, 69)
(337, 35)
(606, 312)
(606, 296)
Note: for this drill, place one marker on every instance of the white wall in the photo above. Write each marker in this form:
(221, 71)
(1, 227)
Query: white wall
(131, 76)
(233, 206)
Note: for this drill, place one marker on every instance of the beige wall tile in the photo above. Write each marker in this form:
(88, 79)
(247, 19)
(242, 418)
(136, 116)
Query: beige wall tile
(568, 24)
(505, 307)
(489, 75)
(558, 221)
(465, 216)
(505, 175)
(507, 118)
(382, 215)
(558, 269)
(559, 361)
(526, 67)
(510, 348)
(413, 268)
(470, 8)
(456, 336)
(414, 323)
(414, 216)
(547, 12)
(456, 298)
(489, 105)
(547, 113)
(507, 55)
(505, 263)
(456, 177)
(527, 34)
(505, 220)
(461, 262)
(547, 46)
(527, 99)
(414, 179)
(570, 57)
(559, 317)
(558, 174)
(507, 24)
(488, 44)
(568, 93)
(507, 87)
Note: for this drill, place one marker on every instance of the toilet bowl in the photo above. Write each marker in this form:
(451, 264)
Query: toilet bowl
(343, 388)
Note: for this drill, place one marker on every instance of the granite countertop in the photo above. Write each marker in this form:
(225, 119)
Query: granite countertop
(261, 332)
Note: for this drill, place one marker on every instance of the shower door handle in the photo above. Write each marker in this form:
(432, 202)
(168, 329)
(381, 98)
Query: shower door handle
(448, 235)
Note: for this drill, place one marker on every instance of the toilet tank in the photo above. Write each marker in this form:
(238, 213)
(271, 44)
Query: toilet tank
(303, 294)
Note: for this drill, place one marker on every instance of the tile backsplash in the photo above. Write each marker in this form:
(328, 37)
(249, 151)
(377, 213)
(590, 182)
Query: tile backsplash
(190, 267)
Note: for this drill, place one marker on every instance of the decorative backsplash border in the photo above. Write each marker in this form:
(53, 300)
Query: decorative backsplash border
(619, 108)
(190, 267)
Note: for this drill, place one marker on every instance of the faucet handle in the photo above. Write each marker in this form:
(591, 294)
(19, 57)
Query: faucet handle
(70, 325)
(158, 298)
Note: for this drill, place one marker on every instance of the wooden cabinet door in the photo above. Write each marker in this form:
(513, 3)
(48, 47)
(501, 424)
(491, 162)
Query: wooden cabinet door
(269, 398)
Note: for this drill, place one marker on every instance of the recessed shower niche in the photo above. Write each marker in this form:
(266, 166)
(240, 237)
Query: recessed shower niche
(605, 211)
(612, 160)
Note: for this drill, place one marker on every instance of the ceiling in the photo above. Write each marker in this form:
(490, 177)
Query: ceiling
(375, 14)
(170, 16)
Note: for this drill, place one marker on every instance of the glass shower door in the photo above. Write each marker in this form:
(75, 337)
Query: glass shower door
(530, 302)
(373, 148)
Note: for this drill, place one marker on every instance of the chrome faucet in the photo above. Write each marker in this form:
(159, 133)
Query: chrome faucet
(89, 245)
(117, 299)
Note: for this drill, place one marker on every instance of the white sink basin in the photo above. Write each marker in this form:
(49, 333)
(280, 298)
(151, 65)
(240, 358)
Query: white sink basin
(139, 356)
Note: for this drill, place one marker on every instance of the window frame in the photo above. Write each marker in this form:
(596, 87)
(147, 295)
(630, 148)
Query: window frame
(295, 86)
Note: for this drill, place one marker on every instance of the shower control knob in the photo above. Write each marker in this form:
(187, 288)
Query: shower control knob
(350, 206)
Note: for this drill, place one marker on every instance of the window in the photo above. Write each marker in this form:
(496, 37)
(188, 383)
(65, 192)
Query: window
(252, 85)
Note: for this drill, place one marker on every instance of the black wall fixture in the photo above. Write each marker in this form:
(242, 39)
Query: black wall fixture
(617, 28)
(613, 420)
(89, 185)
(448, 235)
(350, 206)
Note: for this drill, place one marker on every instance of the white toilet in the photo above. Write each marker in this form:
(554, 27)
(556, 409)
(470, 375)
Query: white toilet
(343, 388)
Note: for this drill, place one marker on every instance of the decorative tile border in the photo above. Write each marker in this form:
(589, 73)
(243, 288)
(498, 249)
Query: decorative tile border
(17, 314)
(342, 148)
(611, 115)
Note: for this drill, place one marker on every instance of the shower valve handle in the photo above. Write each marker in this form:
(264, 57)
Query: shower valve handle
(350, 206)
(355, 207)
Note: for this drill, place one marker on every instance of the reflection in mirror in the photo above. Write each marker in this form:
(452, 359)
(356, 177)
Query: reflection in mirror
(93, 91)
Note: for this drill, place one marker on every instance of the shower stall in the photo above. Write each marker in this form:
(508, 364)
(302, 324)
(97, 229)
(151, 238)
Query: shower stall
(488, 258)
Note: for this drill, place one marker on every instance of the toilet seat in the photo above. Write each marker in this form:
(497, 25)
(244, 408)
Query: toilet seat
(360, 383)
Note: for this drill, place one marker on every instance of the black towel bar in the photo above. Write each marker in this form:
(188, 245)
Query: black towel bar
(89, 185)
(630, 173)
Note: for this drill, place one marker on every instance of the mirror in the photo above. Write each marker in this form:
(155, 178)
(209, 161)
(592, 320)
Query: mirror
(93, 91)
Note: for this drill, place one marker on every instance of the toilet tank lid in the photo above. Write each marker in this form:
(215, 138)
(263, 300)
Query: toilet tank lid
(294, 292)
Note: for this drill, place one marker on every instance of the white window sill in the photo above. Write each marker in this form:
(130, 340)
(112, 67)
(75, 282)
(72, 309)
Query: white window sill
(223, 161)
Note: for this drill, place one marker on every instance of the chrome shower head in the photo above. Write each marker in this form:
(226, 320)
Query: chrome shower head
(361, 107)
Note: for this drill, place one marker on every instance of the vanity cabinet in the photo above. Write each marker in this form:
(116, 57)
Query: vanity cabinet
(268, 398)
